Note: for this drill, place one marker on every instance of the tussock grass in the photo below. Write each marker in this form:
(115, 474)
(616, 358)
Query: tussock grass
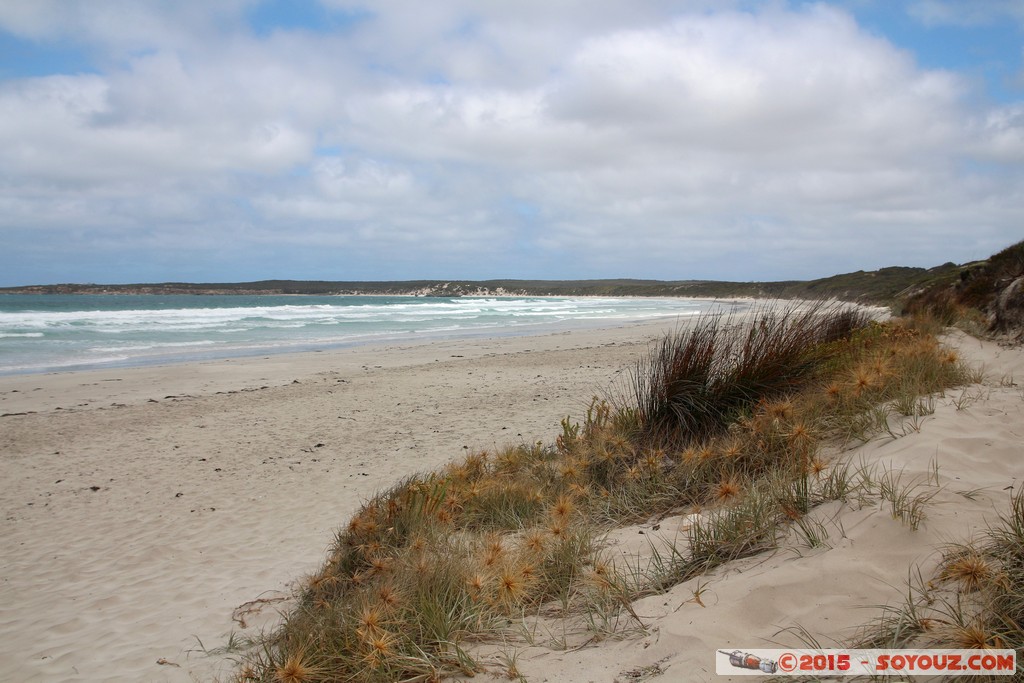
(723, 420)
(701, 379)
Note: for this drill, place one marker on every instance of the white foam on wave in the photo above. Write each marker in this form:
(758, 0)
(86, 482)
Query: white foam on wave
(150, 347)
(146, 335)
(191, 316)
(201, 318)
(48, 364)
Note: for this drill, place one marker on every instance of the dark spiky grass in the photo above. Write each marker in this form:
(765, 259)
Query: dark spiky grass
(700, 379)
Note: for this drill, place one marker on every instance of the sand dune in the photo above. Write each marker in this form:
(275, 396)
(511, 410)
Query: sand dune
(974, 439)
(144, 506)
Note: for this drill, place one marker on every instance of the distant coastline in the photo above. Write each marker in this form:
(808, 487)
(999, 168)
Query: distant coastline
(879, 286)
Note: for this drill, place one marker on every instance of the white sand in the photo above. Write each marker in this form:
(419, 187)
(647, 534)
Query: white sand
(222, 495)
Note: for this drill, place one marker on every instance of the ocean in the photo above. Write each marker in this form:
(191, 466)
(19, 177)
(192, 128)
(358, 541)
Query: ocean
(52, 332)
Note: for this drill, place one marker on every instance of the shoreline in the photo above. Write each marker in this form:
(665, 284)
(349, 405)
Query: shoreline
(255, 347)
(197, 377)
(146, 504)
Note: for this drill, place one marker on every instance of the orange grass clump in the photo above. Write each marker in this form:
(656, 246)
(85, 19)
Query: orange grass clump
(295, 669)
(971, 570)
(726, 490)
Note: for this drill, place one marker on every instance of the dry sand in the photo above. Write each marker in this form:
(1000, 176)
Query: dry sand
(143, 506)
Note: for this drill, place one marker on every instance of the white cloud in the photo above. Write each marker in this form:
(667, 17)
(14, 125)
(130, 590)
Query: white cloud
(645, 138)
(648, 142)
(1000, 135)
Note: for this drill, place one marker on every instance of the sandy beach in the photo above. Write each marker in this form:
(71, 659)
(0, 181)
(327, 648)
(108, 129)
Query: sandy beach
(144, 506)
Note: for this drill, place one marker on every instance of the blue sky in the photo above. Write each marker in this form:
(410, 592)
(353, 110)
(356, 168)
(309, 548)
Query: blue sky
(465, 139)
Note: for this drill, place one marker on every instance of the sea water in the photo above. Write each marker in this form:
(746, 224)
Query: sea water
(51, 332)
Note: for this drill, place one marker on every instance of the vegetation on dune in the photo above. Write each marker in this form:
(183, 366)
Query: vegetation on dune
(983, 297)
(723, 422)
(702, 379)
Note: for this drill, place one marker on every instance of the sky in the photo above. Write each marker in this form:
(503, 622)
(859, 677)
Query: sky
(238, 140)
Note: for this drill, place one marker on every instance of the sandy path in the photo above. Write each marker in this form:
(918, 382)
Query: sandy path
(142, 506)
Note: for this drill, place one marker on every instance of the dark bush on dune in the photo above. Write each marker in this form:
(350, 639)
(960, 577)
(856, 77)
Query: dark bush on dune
(700, 379)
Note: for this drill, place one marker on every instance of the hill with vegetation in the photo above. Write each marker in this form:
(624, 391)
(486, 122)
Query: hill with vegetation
(879, 286)
(988, 294)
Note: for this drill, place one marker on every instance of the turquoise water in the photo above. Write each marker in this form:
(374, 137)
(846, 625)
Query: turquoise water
(43, 333)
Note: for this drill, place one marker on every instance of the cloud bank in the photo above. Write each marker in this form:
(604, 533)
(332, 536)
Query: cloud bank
(455, 139)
